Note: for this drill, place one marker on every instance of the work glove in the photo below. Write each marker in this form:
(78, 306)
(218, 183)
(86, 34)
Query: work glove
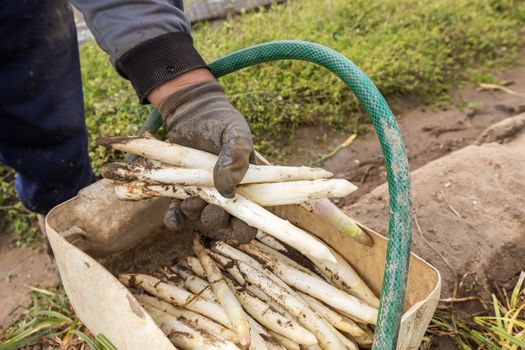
(201, 117)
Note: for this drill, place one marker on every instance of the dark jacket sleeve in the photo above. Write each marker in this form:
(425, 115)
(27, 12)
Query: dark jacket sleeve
(149, 41)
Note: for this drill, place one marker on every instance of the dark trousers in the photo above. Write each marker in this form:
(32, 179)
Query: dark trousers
(42, 129)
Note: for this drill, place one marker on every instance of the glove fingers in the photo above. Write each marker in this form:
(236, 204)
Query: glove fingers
(233, 161)
(192, 207)
(241, 231)
(174, 218)
(214, 217)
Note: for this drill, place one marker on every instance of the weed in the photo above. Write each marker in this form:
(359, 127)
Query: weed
(503, 328)
(51, 321)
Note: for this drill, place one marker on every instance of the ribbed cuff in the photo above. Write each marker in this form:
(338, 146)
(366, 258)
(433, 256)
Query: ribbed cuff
(158, 60)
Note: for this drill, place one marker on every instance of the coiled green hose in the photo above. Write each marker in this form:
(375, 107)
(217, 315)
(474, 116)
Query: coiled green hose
(400, 226)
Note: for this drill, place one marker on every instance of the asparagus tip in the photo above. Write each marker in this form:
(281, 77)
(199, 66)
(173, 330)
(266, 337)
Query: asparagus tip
(363, 238)
(245, 341)
(127, 279)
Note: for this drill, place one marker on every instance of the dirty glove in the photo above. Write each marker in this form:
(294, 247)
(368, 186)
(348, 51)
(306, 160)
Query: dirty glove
(210, 220)
(201, 117)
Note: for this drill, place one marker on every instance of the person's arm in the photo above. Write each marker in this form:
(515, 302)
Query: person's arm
(148, 41)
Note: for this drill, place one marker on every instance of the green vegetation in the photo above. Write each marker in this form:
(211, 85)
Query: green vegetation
(51, 321)
(502, 328)
(421, 48)
(13, 215)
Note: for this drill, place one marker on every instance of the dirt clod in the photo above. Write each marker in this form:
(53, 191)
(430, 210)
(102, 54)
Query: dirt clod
(470, 207)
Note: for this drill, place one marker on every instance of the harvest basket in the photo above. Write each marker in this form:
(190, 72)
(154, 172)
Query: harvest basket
(96, 223)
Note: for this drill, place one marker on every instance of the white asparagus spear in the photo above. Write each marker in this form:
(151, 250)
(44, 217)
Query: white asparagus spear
(335, 319)
(235, 254)
(193, 264)
(183, 335)
(309, 319)
(264, 249)
(228, 265)
(258, 342)
(287, 343)
(179, 333)
(279, 250)
(240, 207)
(265, 194)
(157, 174)
(330, 213)
(273, 290)
(271, 318)
(191, 158)
(224, 294)
(176, 296)
(270, 241)
(346, 278)
(314, 286)
(367, 340)
(347, 342)
(341, 274)
(312, 347)
(194, 319)
(335, 217)
(270, 341)
(195, 284)
(186, 157)
(295, 192)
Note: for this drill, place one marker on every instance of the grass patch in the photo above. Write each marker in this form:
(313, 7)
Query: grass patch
(503, 328)
(421, 48)
(51, 322)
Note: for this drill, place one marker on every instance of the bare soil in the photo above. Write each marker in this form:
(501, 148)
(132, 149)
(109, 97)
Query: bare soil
(469, 210)
(428, 134)
(20, 269)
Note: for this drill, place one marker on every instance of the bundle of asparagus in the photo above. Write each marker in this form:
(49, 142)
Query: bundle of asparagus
(250, 296)
(253, 296)
(178, 171)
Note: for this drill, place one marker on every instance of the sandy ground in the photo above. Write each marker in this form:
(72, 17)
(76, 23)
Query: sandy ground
(20, 268)
(470, 208)
(428, 134)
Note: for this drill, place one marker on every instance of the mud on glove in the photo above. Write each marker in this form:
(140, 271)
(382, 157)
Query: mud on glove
(201, 117)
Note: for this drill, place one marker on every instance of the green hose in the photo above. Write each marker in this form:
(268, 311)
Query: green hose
(400, 225)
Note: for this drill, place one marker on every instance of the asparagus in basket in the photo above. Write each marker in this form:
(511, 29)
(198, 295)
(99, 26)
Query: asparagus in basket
(220, 290)
(288, 318)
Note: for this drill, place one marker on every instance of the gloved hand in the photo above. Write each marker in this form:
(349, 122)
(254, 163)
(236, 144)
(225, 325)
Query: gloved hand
(210, 220)
(200, 116)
